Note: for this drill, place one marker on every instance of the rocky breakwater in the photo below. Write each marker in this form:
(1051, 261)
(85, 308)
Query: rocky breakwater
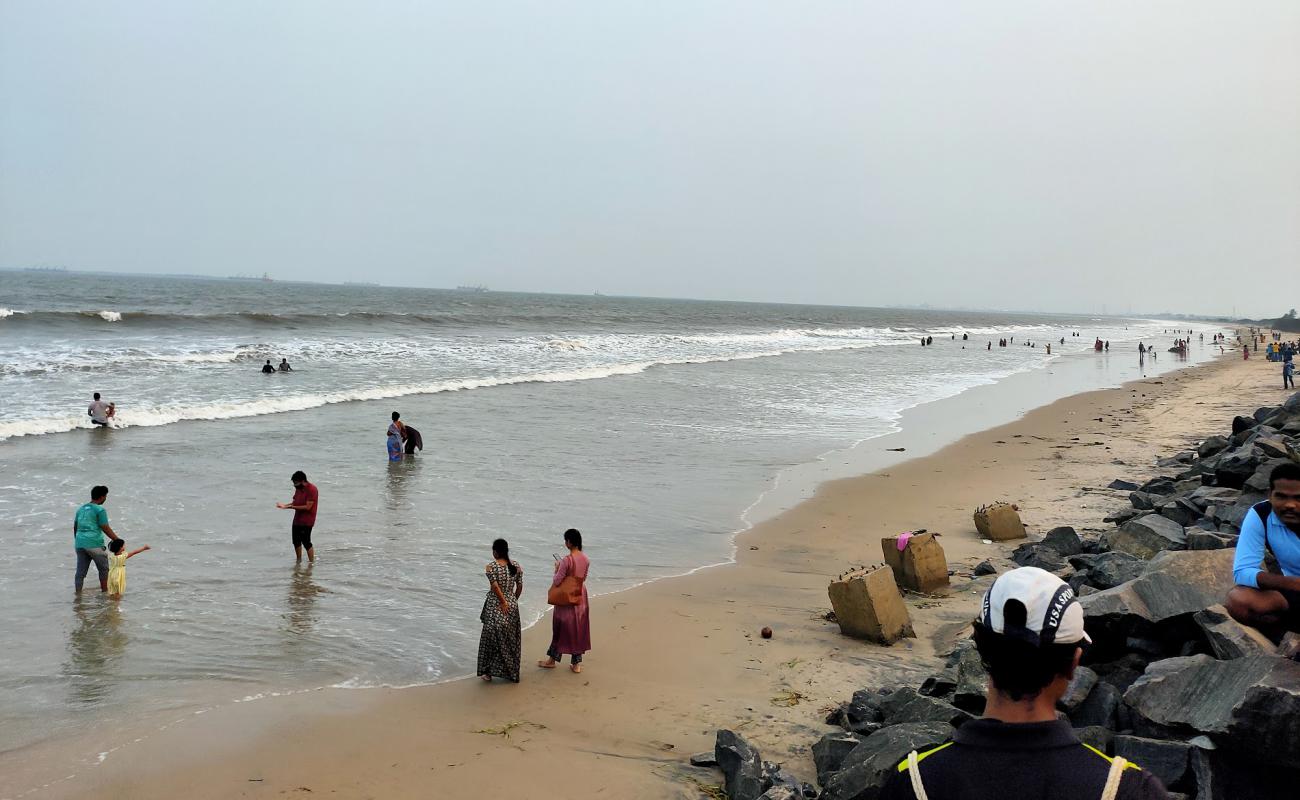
(1171, 682)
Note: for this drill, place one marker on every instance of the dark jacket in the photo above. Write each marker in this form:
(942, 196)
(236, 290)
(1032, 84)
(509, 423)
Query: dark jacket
(992, 760)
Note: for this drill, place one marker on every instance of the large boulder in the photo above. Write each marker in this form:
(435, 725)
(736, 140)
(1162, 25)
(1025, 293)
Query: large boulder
(830, 750)
(1168, 761)
(1143, 501)
(1080, 687)
(1205, 496)
(1212, 445)
(1180, 510)
(1171, 588)
(866, 768)
(1235, 467)
(908, 705)
(1241, 424)
(1064, 540)
(741, 765)
(1249, 705)
(1108, 570)
(1098, 709)
(1230, 639)
(861, 715)
(1038, 554)
(972, 682)
(1146, 536)
(1275, 447)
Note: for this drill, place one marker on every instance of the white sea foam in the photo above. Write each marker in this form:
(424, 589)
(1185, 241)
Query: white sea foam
(110, 316)
(8, 312)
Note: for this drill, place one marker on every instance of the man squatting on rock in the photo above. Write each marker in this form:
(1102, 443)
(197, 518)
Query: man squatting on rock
(1030, 637)
(1262, 599)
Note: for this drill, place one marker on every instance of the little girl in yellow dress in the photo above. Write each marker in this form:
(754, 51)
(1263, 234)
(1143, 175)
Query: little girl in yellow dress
(117, 566)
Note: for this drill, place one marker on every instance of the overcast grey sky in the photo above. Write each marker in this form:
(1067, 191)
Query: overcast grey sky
(999, 153)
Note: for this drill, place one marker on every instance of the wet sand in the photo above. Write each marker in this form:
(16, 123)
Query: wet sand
(676, 659)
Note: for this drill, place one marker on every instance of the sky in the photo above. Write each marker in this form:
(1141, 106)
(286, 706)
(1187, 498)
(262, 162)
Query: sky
(1100, 156)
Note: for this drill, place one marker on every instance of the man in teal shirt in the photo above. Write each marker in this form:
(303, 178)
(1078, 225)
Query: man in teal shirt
(89, 527)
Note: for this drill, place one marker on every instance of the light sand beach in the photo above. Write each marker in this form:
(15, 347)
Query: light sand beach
(676, 659)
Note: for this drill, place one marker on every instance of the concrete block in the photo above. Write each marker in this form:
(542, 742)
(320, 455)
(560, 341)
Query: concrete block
(999, 522)
(868, 605)
(921, 566)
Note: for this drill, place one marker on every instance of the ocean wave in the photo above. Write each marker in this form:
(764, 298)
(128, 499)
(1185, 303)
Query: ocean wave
(110, 316)
(170, 319)
(128, 417)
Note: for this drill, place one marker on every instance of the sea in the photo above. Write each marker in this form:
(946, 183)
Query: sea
(652, 425)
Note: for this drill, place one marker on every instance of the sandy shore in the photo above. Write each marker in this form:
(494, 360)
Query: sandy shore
(676, 659)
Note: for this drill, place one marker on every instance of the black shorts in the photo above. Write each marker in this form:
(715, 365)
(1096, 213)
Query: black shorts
(1291, 619)
(302, 536)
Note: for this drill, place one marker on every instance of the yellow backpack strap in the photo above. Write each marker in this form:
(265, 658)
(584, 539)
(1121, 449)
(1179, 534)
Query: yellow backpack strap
(903, 765)
(1113, 778)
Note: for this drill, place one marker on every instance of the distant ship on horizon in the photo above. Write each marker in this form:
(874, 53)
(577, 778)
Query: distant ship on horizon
(474, 289)
(266, 278)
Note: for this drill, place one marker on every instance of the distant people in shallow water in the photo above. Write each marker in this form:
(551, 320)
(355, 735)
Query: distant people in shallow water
(267, 369)
(396, 435)
(98, 411)
(284, 365)
(413, 440)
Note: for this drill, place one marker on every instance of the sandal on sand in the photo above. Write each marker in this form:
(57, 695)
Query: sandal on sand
(545, 665)
(576, 667)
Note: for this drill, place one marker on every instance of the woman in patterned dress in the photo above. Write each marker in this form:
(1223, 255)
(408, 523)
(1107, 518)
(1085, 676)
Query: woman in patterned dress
(498, 645)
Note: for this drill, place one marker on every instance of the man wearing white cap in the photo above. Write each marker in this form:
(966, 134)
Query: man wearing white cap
(1030, 637)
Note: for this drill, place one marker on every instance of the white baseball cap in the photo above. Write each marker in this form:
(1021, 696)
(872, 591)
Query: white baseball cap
(1052, 612)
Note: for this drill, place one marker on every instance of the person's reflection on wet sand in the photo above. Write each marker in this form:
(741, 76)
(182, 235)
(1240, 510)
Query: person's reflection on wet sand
(96, 644)
(301, 615)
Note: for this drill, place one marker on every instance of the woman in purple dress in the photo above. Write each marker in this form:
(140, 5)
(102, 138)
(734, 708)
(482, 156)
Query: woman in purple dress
(570, 625)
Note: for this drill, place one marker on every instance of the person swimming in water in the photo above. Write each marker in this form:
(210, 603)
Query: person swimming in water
(267, 369)
(284, 365)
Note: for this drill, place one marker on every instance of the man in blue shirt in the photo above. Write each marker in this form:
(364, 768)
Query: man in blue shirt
(1261, 599)
(89, 527)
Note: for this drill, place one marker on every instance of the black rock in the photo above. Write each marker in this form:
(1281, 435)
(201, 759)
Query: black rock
(1248, 705)
(908, 705)
(861, 715)
(972, 682)
(940, 684)
(1204, 540)
(1064, 540)
(1123, 515)
(704, 760)
(866, 768)
(1235, 467)
(1142, 501)
(1098, 708)
(1097, 736)
(1082, 685)
(1180, 510)
(1173, 586)
(830, 750)
(1126, 486)
(1112, 569)
(783, 791)
(1264, 412)
(985, 568)
(741, 765)
(1146, 536)
(1274, 447)
(1038, 554)
(1159, 485)
(1168, 761)
(1228, 638)
(1242, 424)
(774, 775)
(1212, 445)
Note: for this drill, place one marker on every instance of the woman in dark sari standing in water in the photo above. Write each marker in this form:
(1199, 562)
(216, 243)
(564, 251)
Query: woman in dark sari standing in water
(498, 645)
(570, 624)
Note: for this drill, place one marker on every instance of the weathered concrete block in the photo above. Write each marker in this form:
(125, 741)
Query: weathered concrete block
(999, 522)
(920, 566)
(868, 605)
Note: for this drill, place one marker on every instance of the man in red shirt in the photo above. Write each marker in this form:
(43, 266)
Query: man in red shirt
(304, 514)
